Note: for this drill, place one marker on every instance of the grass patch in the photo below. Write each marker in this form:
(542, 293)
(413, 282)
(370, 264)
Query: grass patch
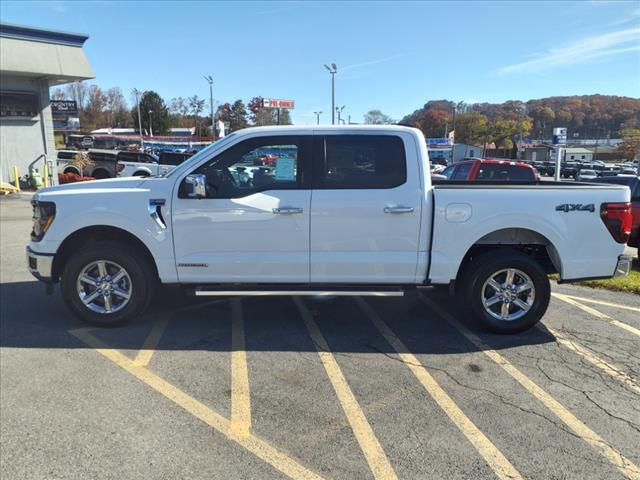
(629, 283)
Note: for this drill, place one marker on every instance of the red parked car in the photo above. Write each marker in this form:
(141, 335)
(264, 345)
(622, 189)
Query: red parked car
(492, 170)
(633, 182)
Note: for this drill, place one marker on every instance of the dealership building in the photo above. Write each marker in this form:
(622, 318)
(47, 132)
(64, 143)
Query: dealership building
(31, 61)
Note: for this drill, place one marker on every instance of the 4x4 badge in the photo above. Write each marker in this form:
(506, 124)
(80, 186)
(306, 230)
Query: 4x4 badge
(576, 207)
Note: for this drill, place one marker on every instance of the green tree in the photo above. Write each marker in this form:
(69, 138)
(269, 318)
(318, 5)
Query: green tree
(471, 127)
(376, 117)
(235, 115)
(285, 117)
(153, 112)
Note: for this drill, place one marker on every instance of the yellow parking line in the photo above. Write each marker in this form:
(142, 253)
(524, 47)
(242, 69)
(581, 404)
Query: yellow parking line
(494, 458)
(606, 304)
(623, 464)
(597, 314)
(252, 443)
(153, 339)
(240, 397)
(375, 456)
(595, 360)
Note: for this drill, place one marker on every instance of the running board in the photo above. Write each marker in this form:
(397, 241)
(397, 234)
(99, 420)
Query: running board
(218, 292)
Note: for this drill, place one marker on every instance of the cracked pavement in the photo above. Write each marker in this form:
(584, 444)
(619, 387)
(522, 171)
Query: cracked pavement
(67, 412)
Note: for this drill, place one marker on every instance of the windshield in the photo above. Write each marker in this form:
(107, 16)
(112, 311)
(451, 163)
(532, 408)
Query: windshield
(204, 153)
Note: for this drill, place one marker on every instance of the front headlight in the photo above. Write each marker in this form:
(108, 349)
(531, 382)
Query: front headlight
(43, 215)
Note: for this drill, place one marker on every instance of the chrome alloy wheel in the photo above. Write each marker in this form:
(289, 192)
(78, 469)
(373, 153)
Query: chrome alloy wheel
(508, 294)
(104, 286)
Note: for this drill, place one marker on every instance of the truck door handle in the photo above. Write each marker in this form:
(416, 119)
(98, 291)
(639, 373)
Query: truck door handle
(398, 209)
(287, 210)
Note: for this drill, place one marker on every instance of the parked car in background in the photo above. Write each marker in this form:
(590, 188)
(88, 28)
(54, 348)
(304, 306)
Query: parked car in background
(143, 164)
(103, 163)
(586, 175)
(491, 170)
(633, 182)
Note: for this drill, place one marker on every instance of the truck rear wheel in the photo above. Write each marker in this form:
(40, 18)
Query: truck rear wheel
(106, 285)
(507, 291)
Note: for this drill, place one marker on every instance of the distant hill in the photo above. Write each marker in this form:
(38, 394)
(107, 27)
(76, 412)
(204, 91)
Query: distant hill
(586, 116)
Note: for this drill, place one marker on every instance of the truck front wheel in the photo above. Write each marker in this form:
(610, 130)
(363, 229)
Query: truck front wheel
(506, 290)
(105, 284)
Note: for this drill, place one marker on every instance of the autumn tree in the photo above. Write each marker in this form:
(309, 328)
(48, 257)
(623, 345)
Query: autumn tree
(116, 108)
(629, 149)
(259, 115)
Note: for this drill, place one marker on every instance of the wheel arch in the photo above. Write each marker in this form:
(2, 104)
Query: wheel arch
(96, 233)
(520, 239)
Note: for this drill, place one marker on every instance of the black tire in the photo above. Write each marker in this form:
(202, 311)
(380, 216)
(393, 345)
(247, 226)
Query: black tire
(100, 174)
(140, 174)
(480, 270)
(137, 268)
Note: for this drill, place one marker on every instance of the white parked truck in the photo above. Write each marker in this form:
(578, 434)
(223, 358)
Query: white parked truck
(346, 210)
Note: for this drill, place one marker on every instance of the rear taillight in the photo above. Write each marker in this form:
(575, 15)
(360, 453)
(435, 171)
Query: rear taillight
(119, 167)
(617, 219)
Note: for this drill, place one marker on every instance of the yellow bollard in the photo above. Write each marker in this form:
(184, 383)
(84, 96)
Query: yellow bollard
(16, 178)
(45, 173)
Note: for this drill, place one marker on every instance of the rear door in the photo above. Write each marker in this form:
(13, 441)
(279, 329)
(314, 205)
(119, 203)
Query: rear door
(365, 208)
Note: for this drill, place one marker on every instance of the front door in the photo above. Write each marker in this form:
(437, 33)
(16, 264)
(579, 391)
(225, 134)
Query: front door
(253, 226)
(366, 209)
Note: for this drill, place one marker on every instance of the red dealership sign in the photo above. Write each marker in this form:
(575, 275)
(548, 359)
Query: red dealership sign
(275, 103)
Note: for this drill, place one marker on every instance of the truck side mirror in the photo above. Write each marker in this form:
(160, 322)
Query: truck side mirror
(195, 185)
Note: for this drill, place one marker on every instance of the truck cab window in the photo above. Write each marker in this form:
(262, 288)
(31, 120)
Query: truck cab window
(363, 162)
(268, 163)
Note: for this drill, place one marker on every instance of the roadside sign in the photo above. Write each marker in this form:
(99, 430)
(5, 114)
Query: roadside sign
(276, 103)
(559, 136)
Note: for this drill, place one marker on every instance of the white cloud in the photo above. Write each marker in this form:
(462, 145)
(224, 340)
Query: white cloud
(372, 62)
(55, 6)
(581, 51)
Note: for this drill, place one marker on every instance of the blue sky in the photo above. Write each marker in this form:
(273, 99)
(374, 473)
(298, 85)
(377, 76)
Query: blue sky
(392, 56)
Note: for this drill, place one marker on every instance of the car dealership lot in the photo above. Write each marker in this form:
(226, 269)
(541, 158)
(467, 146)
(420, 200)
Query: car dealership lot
(308, 388)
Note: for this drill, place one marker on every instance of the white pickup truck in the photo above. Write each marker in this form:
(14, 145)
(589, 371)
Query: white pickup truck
(347, 210)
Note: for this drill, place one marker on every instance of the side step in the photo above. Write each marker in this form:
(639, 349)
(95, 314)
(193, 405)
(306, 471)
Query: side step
(297, 290)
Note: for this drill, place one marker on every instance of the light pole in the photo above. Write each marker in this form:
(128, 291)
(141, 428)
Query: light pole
(137, 94)
(317, 114)
(332, 70)
(339, 112)
(150, 125)
(209, 79)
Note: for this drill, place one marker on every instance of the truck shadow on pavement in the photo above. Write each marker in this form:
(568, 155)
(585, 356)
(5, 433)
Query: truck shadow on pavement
(31, 319)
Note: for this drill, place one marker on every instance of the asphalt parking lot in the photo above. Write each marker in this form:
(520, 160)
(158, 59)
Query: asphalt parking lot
(344, 388)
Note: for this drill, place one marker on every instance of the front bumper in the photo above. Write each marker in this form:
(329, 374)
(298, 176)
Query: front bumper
(40, 265)
(623, 267)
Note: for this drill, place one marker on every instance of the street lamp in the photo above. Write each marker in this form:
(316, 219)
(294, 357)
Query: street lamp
(317, 114)
(339, 112)
(137, 94)
(150, 125)
(332, 70)
(209, 79)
